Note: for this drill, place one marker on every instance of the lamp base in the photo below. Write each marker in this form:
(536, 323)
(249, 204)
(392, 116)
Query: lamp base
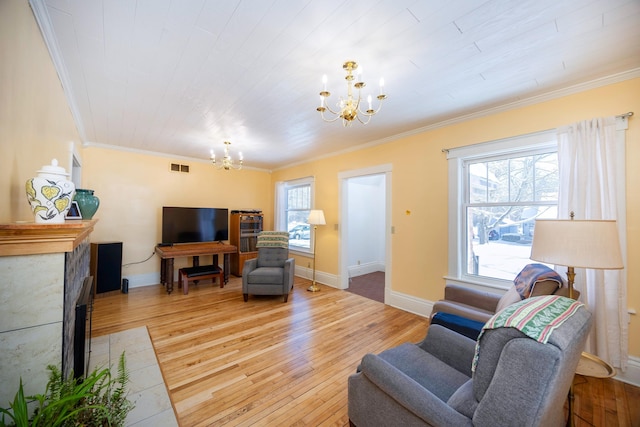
(313, 288)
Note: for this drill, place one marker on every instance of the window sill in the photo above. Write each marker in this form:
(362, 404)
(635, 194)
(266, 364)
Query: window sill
(301, 252)
(479, 284)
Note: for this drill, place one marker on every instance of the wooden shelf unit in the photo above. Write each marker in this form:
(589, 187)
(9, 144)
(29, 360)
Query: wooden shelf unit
(243, 233)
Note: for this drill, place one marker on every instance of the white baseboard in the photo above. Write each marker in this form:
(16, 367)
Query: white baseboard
(632, 374)
(395, 299)
(408, 303)
(321, 277)
(140, 280)
(366, 268)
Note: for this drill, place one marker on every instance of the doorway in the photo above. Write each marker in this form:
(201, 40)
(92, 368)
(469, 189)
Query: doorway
(365, 212)
(76, 165)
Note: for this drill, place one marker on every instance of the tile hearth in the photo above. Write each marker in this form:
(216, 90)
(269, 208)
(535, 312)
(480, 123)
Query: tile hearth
(146, 387)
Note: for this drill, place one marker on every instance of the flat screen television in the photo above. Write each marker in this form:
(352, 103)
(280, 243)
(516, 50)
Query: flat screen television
(193, 225)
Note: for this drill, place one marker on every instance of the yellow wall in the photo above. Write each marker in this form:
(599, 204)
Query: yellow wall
(36, 125)
(35, 121)
(133, 187)
(419, 177)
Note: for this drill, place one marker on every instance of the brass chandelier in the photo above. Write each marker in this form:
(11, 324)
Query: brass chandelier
(227, 162)
(349, 107)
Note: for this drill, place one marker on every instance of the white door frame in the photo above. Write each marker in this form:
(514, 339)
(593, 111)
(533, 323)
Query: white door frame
(343, 177)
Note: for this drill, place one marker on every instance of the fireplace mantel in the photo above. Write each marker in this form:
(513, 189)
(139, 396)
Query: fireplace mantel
(29, 238)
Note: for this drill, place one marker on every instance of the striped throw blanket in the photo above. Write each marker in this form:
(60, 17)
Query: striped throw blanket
(535, 317)
(273, 239)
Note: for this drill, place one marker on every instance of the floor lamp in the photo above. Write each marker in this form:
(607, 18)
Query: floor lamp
(316, 218)
(573, 243)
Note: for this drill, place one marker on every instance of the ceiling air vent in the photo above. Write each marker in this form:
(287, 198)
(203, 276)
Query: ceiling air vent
(174, 167)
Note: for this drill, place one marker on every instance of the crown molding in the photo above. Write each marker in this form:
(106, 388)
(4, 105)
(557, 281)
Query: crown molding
(43, 19)
(90, 144)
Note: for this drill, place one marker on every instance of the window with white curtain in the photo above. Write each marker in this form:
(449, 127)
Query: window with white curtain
(497, 190)
(294, 201)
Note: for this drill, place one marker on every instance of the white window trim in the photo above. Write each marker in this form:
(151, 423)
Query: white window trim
(456, 158)
(280, 218)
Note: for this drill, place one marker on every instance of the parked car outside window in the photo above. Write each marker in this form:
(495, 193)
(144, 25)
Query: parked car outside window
(300, 231)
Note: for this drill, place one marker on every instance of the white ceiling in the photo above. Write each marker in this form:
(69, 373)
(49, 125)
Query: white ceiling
(180, 77)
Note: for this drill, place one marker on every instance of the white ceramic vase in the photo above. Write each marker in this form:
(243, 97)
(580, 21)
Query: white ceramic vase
(50, 194)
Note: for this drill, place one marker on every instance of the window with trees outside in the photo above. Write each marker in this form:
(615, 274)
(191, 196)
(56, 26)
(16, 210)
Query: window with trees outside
(500, 193)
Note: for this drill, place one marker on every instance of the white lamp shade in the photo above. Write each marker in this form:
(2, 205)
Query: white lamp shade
(316, 217)
(577, 243)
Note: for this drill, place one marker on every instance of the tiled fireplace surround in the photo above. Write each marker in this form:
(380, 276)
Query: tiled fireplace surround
(42, 270)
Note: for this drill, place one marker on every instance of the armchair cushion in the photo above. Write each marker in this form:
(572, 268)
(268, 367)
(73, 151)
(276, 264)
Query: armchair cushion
(412, 405)
(272, 257)
(511, 297)
(426, 369)
(267, 276)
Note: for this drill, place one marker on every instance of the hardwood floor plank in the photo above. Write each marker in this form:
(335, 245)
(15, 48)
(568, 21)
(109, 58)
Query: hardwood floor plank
(266, 362)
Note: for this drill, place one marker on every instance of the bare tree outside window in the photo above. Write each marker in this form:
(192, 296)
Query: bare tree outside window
(504, 197)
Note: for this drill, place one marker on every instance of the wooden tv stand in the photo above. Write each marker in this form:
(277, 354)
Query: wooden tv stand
(195, 250)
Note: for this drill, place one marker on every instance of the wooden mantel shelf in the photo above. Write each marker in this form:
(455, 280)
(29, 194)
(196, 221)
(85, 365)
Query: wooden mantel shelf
(29, 238)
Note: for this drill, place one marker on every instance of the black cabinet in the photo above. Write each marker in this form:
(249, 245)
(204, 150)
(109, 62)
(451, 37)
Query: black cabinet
(106, 266)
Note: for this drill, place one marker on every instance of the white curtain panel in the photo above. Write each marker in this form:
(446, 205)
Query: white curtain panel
(591, 170)
(280, 222)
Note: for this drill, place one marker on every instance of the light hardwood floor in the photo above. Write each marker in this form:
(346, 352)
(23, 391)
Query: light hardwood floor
(265, 362)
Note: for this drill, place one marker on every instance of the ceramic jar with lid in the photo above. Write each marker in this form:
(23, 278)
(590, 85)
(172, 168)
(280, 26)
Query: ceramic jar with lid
(50, 194)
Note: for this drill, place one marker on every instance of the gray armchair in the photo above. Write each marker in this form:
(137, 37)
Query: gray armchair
(272, 272)
(518, 381)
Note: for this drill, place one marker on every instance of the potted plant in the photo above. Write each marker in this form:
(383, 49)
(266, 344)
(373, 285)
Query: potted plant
(97, 400)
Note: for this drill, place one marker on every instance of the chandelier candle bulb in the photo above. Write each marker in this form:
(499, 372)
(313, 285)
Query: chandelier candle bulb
(324, 82)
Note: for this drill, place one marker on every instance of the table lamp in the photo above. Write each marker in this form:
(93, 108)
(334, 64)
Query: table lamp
(316, 218)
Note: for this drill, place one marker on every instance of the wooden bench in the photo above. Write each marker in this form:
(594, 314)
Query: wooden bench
(201, 272)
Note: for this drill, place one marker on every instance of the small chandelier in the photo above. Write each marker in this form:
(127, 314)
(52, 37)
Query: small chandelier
(227, 162)
(349, 108)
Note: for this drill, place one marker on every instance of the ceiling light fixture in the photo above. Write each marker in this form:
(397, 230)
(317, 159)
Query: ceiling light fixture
(227, 162)
(349, 108)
